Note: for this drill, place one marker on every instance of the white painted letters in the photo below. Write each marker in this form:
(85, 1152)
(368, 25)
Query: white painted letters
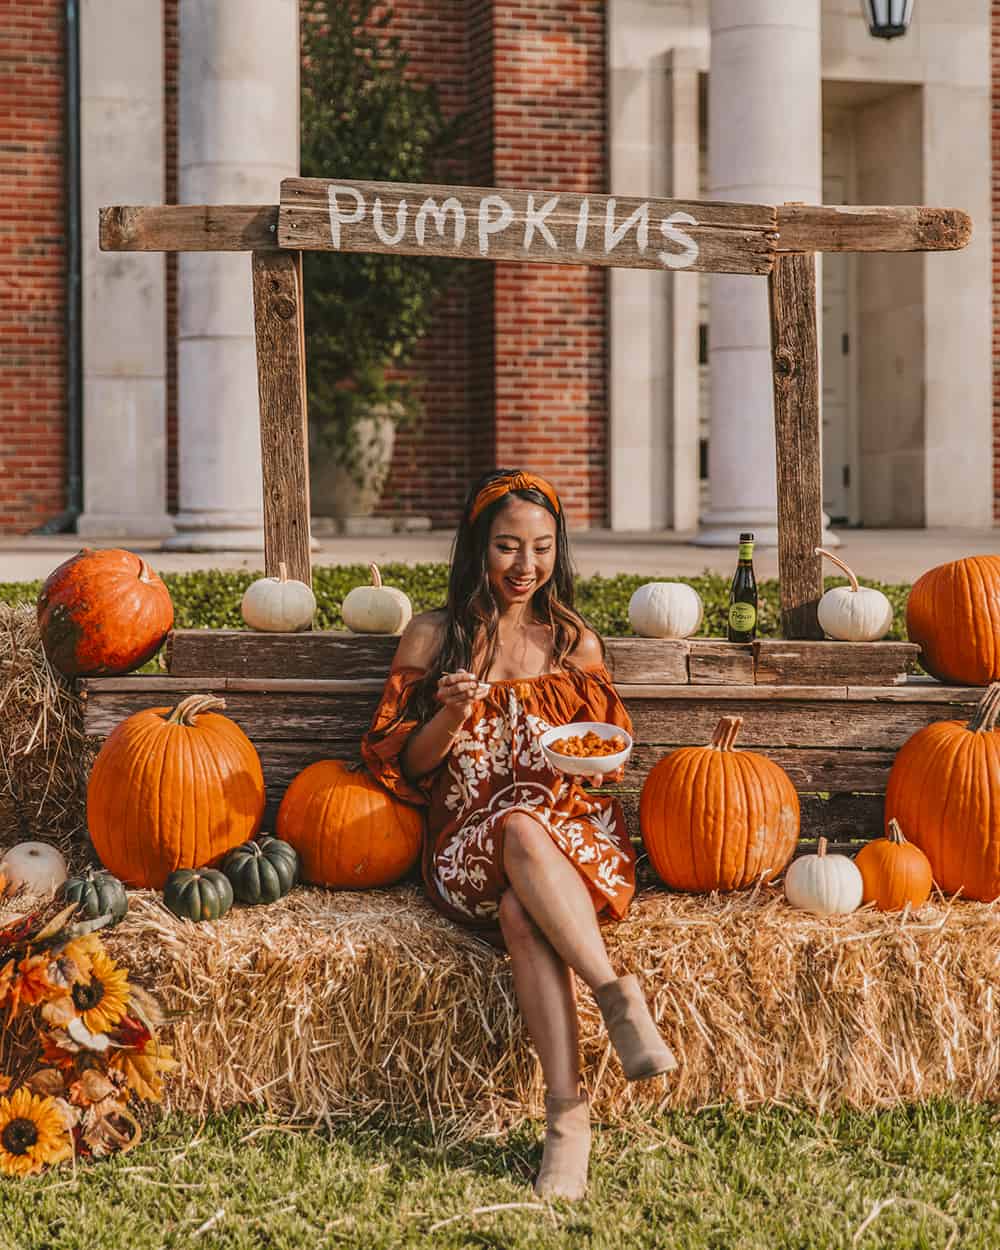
(429, 208)
(388, 240)
(487, 227)
(535, 220)
(668, 229)
(336, 216)
(581, 224)
(613, 234)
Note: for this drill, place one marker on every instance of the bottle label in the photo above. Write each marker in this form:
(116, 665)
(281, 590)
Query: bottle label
(742, 617)
(746, 551)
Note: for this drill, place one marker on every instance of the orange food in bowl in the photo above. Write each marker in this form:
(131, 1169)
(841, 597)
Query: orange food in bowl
(590, 744)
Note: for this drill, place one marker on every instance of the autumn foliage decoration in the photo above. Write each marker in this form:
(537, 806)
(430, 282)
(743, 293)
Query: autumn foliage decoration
(953, 612)
(103, 612)
(717, 819)
(173, 788)
(348, 830)
(944, 789)
(90, 1037)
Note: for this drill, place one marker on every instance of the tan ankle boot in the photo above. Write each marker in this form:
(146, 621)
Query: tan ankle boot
(632, 1029)
(566, 1153)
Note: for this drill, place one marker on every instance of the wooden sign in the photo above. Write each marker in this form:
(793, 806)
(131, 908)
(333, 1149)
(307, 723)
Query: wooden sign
(544, 227)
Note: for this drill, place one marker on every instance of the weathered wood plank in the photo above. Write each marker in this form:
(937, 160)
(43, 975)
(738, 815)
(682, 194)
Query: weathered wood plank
(189, 228)
(284, 438)
(545, 227)
(786, 662)
(243, 653)
(870, 228)
(718, 663)
(919, 690)
(812, 769)
(795, 368)
(656, 661)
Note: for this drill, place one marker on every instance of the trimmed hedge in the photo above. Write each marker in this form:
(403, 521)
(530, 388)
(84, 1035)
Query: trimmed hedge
(211, 598)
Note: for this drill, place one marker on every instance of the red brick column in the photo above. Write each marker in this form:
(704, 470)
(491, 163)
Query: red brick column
(32, 265)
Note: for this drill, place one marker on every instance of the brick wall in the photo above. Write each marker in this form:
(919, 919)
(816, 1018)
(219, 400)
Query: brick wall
(32, 264)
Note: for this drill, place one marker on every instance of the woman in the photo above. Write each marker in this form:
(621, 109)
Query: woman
(510, 841)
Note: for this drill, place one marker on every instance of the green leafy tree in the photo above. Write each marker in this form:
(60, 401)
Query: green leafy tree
(364, 117)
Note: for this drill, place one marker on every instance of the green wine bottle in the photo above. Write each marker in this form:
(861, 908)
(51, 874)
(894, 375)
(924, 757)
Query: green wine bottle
(743, 595)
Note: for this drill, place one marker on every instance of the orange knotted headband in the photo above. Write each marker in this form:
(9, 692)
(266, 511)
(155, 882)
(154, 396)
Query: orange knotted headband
(495, 490)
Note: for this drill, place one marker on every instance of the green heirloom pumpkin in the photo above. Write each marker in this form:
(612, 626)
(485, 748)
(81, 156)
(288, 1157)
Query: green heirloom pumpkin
(198, 893)
(262, 871)
(97, 894)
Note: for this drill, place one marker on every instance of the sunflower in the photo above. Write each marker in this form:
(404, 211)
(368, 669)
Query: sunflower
(82, 951)
(33, 1132)
(102, 999)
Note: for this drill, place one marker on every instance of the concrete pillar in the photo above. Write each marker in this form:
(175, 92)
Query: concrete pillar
(124, 344)
(764, 147)
(238, 137)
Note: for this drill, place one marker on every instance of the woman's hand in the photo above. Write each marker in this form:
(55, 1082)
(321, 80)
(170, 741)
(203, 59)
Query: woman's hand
(457, 692)
(591, 779)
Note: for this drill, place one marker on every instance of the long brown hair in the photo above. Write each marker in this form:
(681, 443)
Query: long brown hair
(472, 616)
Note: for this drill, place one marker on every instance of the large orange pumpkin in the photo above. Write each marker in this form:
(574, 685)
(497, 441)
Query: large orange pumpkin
(894, 872)
(717, 819)
(953, 612)
(173, 789)
(103, 612)
(348, 830)
(944, 789)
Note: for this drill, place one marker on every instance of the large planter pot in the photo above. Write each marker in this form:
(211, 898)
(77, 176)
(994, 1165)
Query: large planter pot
(334, 490)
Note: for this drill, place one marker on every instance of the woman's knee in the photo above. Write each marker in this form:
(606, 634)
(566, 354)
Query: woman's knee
(515, 923)
(524, 837)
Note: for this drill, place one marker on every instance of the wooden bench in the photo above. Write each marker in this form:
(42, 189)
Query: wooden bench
(832, 714)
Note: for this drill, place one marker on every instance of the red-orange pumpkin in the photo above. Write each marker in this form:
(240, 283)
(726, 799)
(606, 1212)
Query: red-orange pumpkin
(348, 830)
(103, 612)
(953, 612)
(894, 872)
(717, 819)
(173, 789)
(944, 789)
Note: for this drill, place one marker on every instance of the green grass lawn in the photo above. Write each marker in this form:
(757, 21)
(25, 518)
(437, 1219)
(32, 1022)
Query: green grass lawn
(714, 1179)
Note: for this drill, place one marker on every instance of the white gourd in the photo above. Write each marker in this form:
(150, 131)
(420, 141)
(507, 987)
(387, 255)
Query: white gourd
(853, 613)
(826, 885)
(665, 610)
(37, 866)
(376, 609)
(278, 604)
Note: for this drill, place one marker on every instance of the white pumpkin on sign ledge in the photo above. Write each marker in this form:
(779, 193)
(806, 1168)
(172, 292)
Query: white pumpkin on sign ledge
(665, 610)
(37, 866)
(278, 604)
(853, 613)
(376, 609)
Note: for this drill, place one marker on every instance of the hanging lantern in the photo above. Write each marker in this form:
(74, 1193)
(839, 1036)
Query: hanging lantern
(887, 19)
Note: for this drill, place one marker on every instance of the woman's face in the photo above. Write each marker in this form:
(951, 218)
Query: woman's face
(522, 550)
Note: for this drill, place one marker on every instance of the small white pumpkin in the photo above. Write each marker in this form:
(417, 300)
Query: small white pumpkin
(376, 609)
(665, 610)
(826, 885)
(278, 604)
(853, 613)
(36, 866)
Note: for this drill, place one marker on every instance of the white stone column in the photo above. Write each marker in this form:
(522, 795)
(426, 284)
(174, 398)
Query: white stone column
(764, 147)
(123, 293)
(238, 137)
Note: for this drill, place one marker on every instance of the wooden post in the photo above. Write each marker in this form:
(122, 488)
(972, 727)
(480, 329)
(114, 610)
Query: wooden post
(795, 367)
(281, 383)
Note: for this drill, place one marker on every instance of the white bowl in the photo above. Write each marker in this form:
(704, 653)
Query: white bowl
(579, 765)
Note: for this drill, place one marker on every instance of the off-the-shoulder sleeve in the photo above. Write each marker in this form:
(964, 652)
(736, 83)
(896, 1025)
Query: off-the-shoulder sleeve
(390, 730)
(601, 701)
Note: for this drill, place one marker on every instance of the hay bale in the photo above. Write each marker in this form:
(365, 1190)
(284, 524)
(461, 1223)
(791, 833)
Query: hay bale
(336, 1004)
(45, 757)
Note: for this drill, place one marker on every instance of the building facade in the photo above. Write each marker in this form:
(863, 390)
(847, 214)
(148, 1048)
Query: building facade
(644, 395)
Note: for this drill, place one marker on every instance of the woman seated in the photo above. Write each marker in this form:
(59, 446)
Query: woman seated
(511, 842)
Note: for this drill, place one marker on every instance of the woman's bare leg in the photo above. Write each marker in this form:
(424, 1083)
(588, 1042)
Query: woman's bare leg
(553, 894)
(544, 987)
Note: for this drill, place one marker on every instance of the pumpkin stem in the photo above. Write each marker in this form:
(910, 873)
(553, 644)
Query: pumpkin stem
(984, 718)
(186, 711)
(822, 551)
(725, 733)
(821, 847)
(376, 575)
(895, 832)
(145, 572)
(282, 571)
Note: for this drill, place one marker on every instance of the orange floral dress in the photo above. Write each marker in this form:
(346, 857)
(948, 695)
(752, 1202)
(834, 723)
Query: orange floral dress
(496, 766)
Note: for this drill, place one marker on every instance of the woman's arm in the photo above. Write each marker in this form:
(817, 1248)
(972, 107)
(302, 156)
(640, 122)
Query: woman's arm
(428, 746)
